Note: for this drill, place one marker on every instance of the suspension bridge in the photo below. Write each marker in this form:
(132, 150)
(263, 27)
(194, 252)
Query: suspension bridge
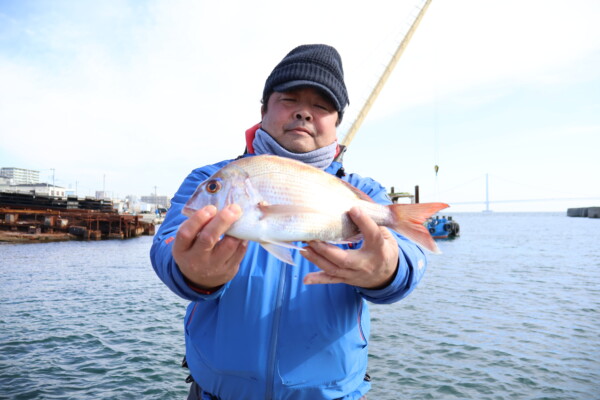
(523, 194)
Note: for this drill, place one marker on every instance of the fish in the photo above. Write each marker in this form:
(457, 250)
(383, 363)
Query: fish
(285, 201)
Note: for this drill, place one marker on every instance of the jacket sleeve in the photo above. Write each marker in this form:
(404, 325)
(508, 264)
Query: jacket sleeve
(412, 261)
(161, 252)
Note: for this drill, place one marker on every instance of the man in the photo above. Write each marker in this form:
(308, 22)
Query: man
(258, 328)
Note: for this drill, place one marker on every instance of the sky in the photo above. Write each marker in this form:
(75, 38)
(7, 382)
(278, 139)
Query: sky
(130, 96)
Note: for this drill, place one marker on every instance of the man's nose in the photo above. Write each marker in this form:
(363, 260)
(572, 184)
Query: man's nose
(303, 114)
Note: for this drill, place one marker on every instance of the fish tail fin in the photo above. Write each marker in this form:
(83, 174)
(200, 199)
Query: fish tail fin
(408, 220)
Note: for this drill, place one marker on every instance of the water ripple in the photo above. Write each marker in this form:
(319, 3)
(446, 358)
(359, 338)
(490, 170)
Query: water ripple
(502, 314)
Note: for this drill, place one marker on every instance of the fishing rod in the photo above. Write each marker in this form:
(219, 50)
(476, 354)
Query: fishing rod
(383, 79)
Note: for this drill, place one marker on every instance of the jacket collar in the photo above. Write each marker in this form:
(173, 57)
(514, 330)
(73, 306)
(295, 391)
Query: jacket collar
(251, 133)
(334, 168)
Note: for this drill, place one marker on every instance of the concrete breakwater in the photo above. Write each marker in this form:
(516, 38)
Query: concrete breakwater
(589, 212)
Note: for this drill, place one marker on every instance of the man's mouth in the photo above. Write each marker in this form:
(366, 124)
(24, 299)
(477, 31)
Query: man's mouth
(299, 128)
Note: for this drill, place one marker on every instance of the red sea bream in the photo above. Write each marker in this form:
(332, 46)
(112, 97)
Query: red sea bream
(286, 201)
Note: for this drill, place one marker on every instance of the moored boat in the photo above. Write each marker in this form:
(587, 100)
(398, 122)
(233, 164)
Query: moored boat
(442, 227)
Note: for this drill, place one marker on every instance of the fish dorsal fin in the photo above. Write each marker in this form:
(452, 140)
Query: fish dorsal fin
(359, 193)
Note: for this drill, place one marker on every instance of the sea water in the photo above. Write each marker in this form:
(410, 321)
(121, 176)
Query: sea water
(510, 310)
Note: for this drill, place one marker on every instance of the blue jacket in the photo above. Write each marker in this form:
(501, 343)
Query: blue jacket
(266, 335)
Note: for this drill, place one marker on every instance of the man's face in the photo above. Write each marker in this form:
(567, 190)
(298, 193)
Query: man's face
(300, 120)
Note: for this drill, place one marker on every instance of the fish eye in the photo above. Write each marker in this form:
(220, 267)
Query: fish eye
(213, 186)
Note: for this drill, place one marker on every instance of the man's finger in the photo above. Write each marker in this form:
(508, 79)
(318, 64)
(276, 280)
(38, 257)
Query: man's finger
(370, 230)
(223, 220)
(330, 259)
(227, 247)
(320, 278)
(186, 235)
(238, 255)
(212, 232)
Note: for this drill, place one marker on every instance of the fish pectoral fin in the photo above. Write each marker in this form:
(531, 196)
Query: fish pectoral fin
(284, 209)
(284, 244)
(281, 250)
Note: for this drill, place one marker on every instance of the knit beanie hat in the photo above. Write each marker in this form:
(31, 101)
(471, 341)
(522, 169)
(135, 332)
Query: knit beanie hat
(315, 65)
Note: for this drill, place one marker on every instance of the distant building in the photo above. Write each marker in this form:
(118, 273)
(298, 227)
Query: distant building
(160, 201)
(20, 176)
(35, 188)
(101, 195)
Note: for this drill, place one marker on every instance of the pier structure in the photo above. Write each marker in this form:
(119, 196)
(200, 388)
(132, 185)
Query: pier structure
(589, 212)
(395, 196)
(31, 218)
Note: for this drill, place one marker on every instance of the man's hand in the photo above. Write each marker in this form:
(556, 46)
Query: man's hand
(372, 266)
(204, 258)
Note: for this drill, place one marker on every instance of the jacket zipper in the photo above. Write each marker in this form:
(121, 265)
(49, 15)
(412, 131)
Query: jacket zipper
(275, 335)
(359, 321)
(192, 314)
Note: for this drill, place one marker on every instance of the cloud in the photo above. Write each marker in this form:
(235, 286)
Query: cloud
(145, 92)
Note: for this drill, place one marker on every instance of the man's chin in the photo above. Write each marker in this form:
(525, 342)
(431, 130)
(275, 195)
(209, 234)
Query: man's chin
(300, 145)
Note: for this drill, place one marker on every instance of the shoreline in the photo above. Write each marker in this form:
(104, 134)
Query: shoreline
(21, 237)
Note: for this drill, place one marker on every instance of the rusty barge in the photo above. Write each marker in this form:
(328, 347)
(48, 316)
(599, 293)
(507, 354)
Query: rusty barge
(26, 218)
